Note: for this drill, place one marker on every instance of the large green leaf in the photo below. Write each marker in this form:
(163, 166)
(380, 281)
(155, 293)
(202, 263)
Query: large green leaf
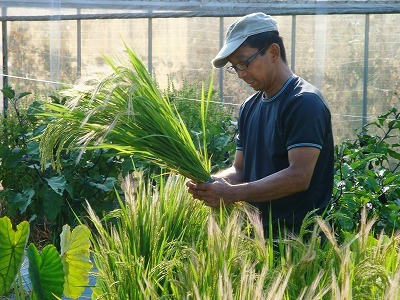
(24, 199)
(46, 272)
(12, 245)
(75, 255)
(52, 203)
(107, 185)
(57, 184)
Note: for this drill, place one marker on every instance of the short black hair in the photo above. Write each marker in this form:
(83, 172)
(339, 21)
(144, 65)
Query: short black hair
(266, 38)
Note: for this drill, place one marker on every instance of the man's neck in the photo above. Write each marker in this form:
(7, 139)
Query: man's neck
(280, 81)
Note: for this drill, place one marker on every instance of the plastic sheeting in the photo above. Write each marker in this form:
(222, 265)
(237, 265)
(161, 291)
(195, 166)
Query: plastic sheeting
(97, 9)
(346, 48)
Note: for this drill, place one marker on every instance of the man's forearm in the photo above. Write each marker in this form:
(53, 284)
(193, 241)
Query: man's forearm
(233, 175)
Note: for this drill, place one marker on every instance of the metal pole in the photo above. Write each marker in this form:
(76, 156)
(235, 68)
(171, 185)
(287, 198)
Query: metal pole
(4, 39)
(150, 45)
(221, 70)
(293, 49)
(78, 45)
(365, 79)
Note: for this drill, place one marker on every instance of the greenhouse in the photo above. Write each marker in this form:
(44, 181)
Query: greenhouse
(90, 176)
(347, 48)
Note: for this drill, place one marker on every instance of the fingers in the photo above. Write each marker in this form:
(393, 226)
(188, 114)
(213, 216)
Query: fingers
(200, 194)
(196, 193)
(190, 183)
(194, 188)
(200, 191)
(214, 202)
(207, 198)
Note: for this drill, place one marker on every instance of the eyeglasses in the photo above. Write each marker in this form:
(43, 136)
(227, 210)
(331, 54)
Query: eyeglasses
(244, 65)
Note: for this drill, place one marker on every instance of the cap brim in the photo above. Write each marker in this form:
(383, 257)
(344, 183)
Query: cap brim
(222, 57)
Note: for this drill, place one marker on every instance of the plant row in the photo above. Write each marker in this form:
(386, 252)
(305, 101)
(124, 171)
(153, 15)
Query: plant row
(159, 243)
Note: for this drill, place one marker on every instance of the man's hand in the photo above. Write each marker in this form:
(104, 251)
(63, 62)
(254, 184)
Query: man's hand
(212, 194)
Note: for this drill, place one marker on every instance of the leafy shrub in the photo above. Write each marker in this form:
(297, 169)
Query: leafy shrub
(368, 175)
(42, 195)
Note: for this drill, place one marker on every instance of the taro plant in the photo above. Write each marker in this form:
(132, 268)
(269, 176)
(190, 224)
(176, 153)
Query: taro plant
(126, 114)
(368, 175)
(52, 274)
(12, 247)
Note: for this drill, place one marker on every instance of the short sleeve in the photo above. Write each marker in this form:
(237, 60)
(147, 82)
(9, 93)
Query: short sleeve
(306, 120)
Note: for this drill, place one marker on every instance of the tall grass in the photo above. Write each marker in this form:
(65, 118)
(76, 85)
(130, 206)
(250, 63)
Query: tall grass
(161, 244)
(126, 113)
(138, 245)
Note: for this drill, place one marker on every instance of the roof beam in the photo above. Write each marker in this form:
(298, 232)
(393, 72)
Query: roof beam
(125, 9)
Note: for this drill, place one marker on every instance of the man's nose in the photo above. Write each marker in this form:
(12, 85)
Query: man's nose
(241, 74)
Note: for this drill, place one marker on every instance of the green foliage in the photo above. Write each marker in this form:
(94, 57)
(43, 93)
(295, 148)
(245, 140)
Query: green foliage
(139, 242)
(46, 196)
(368, 175)
(12, 247)
(45, 272)
(41, 194)
(75, 247)
(162, 244)
(127, 114)
(51, 273)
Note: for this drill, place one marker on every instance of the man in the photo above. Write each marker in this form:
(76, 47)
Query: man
(284, 149)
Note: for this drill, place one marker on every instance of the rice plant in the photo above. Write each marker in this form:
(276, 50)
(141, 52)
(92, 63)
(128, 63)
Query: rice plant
(137, 245)
(126, 113)
(162, 244)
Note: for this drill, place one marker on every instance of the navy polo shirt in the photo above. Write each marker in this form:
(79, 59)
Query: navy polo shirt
(297, 116)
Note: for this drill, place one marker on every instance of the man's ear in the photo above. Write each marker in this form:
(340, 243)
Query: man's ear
(274, 51)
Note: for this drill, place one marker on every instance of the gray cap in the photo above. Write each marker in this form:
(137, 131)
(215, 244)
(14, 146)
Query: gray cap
(239, 31)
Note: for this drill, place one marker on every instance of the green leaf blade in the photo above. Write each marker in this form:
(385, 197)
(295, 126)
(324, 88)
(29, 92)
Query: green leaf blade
(75, 256)
(12, 246)
(46, 272)
(126, 113)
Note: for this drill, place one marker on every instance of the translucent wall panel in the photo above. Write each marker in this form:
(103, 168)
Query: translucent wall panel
(384, 64)
(327, 50)
(180, 48)
(41, 54)
(106, 38)
(330, 54)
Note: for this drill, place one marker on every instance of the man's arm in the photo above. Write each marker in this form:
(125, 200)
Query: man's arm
(234, 174)
(294, 179)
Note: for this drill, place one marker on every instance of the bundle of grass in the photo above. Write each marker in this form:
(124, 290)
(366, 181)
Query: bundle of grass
(127, 114)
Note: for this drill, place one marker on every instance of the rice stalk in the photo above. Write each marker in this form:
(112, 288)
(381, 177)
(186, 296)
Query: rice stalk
(161, 244)
(127, 114)
(278, 289)
(138, 246)
(315, 291)
(392, 290)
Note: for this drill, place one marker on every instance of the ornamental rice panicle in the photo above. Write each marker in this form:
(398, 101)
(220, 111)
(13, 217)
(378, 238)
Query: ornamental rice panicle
(126, 113)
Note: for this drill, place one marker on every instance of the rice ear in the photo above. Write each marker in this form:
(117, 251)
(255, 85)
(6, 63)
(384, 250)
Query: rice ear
(126, 113)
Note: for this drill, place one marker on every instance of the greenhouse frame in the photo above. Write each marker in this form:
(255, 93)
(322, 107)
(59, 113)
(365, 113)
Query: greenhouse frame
(356, 79)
